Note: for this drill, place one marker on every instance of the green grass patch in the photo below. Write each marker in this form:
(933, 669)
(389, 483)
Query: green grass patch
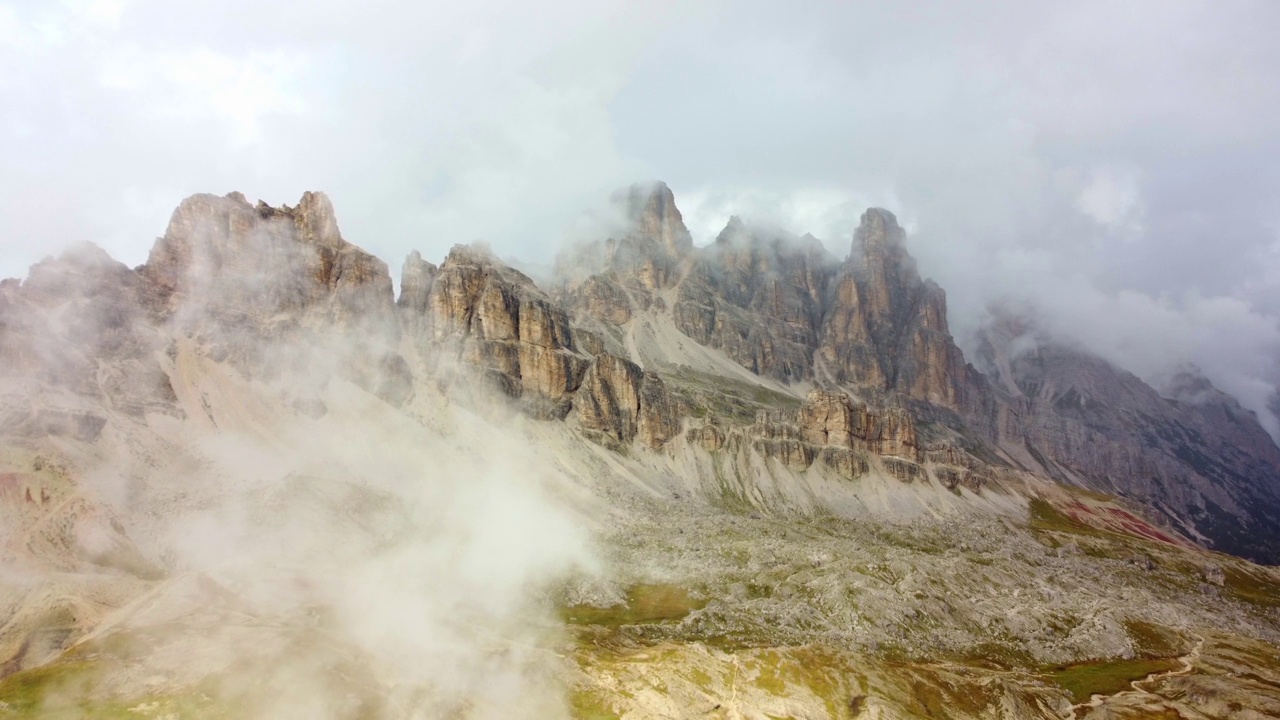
(1251, 587)
(932, 693)
(1044, 516)
(645, 604)
(993, 654)
(591, 705)
(825, 672)
(73, 690)
(1154, 641)
(1107, 677)
(24, 692)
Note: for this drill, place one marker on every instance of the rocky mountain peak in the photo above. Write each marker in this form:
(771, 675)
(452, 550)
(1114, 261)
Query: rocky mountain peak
(1189, 385)
(733, 230)
(82, 269)
(651, 208)
(880, 258)
(237, 277)
(610, 278)
(886, 327)
(218, 242)
(416, 278)
(315, 220)
(878, 228)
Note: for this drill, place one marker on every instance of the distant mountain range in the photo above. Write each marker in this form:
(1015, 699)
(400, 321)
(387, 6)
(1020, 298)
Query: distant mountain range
(758, 371)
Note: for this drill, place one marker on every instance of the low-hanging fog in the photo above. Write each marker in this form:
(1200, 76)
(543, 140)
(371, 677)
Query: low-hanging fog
(357, 559)
(1113, 164)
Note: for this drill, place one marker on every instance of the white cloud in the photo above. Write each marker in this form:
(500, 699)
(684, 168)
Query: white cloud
(1112, 197)
(828, 213)
(106, 13)
(237, 92)
(1086, 155)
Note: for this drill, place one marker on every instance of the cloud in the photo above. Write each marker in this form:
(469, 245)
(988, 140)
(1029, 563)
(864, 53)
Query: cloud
(427, 124)
(237, 92)
(1112, 198)
(1079, 155)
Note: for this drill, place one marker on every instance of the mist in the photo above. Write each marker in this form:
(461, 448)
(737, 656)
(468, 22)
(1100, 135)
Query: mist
(1113, 165)
(393, 571)
(272, 526)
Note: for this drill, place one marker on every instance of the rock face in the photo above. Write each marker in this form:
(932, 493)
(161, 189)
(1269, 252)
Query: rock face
(831, 418)
(830, 427)
(485, 314)
(1203, 459)
(277, 292)
(75, 346)
(757, 298)
(266, 269)
(622, 402)
(610, 279)
(603, 298)
(886, 327)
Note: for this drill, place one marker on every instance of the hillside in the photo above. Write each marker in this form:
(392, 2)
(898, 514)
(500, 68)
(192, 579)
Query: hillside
(743, 480)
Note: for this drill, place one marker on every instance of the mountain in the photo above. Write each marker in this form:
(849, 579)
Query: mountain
(783, 308)
(743, 480)
(1193, 454)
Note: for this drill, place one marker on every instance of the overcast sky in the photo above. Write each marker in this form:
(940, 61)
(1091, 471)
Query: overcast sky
(1115, 164)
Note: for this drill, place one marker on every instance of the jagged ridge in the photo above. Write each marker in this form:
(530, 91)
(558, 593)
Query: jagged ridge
(867, 331)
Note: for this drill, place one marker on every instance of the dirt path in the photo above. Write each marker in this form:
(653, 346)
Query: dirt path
(1188, 666)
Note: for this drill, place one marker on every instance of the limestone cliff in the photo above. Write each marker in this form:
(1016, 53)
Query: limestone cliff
(830, 427)
(269, 269)
(759, 343)
(759, 298)
(610, 278)
(886, 327)
(480, 312)
(622, 402)
(1194, 453)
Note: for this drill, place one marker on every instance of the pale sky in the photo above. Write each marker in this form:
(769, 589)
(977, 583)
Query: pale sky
(1115, 164)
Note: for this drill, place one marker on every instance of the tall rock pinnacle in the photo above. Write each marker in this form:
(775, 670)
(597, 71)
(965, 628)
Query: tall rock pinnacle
(886, 271)
(886, 326)
(652, 207)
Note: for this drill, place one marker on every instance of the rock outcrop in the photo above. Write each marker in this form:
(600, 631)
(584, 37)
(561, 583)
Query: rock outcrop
(1203, 460)
(886, 328)
(266, 270)
(620, 401)
(476, 310)
(758, 298)
(610, 279)
(603, 298)
(831, 427)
